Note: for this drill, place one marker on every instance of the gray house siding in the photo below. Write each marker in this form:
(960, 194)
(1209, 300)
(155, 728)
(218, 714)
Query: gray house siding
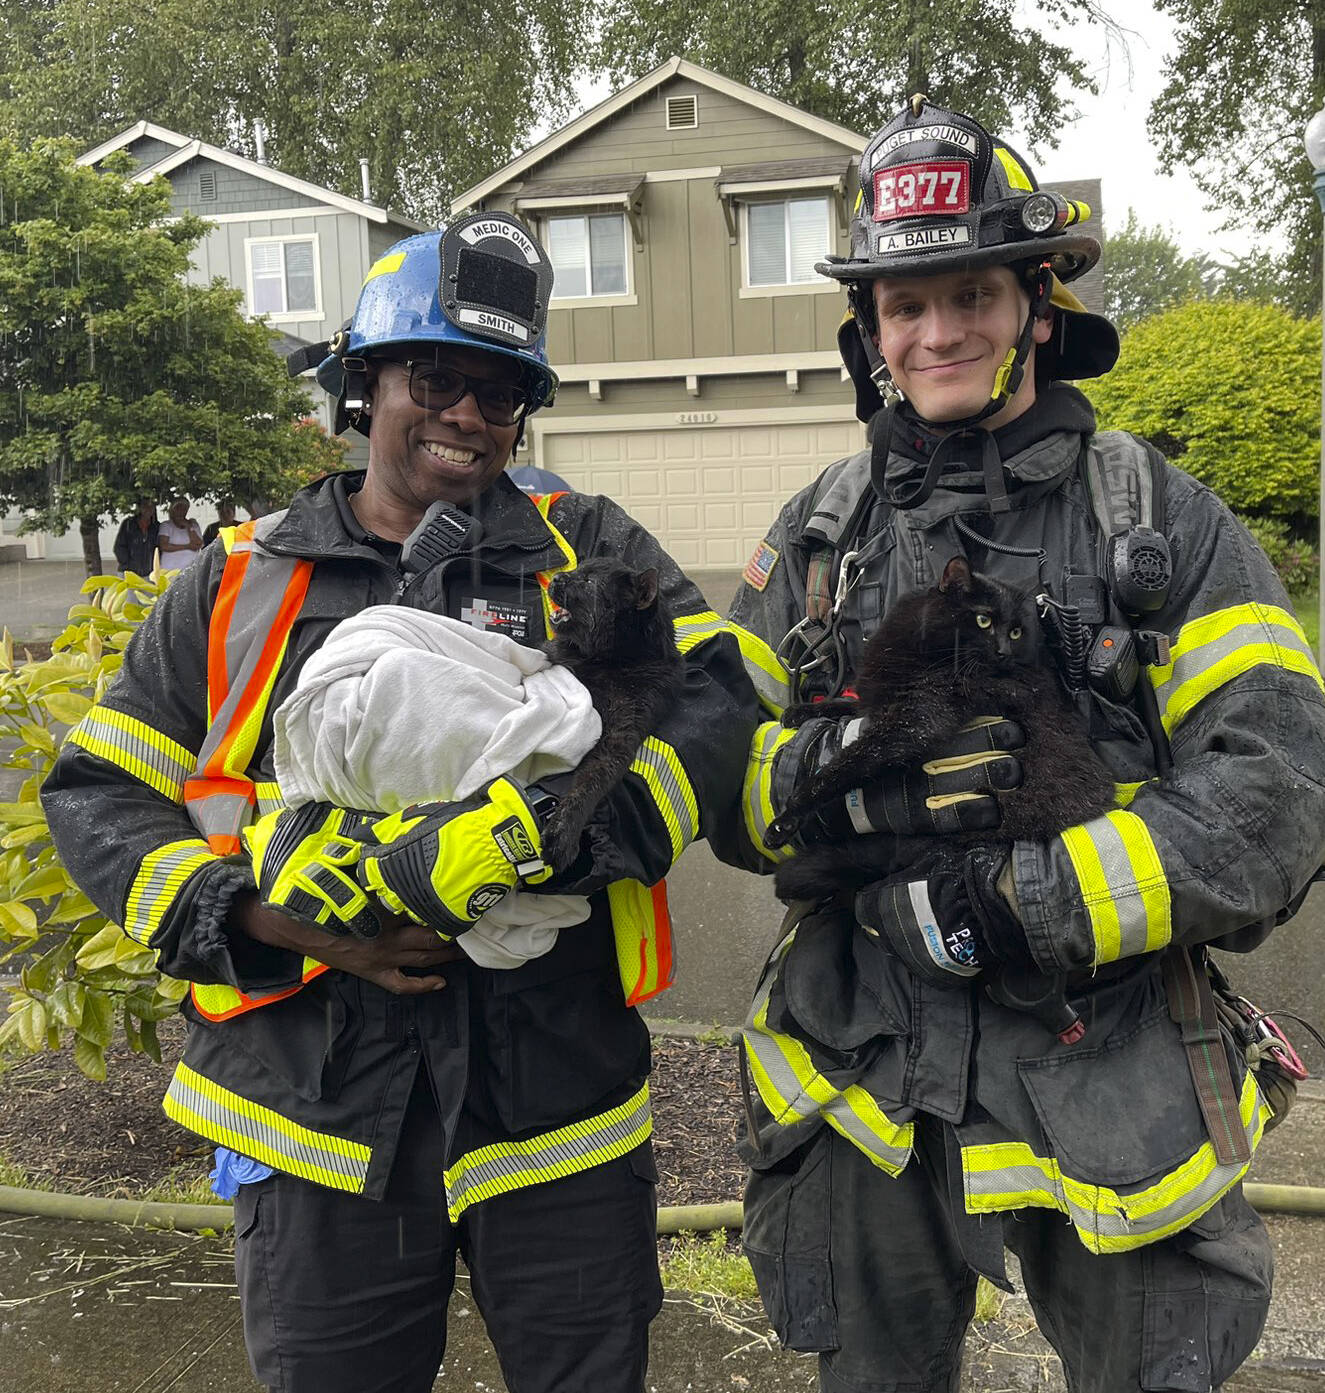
(148, 149)
(237, 191)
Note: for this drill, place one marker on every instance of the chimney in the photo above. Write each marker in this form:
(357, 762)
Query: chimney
(363, 179)
(259, 139)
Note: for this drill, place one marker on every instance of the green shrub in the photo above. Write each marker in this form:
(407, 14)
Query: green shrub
(1296, 560)
(79, 974)
(1230, 392)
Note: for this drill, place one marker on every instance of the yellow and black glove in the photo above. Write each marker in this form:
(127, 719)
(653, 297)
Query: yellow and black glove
(304, 861)
(446, 864)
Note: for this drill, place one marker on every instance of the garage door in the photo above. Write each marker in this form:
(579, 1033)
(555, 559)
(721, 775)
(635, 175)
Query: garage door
(708, 493)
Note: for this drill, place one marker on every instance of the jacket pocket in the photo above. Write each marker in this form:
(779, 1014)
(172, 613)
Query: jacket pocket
(786, 1238)
(1123, 1112)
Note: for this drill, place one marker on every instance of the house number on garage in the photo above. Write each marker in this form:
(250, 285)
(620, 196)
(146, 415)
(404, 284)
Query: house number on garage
(696, 418)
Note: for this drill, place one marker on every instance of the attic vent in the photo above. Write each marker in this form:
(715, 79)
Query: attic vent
(682, 113)
(207, 185)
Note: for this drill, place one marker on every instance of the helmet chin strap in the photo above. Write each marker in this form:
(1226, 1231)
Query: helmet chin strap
(1007, 382)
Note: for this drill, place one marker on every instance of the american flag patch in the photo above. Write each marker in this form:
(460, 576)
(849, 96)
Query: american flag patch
(760, 566)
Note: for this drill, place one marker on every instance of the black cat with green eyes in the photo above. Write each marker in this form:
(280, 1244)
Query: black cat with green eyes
(967, 648)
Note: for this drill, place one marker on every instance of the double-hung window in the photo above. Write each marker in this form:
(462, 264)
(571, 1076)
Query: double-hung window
(588, 255)
(784, 239)
(283, 276)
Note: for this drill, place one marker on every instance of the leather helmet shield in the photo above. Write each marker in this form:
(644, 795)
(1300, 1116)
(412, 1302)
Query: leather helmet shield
(938, 193)
(496, 280)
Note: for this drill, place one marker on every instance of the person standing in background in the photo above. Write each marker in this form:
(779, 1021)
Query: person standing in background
(136, 541)
(180, 540)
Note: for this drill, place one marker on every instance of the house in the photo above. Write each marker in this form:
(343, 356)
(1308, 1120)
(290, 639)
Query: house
(297, 251)
(700, 380)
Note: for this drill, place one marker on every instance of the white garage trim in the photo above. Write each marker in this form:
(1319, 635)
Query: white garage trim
(733, 365)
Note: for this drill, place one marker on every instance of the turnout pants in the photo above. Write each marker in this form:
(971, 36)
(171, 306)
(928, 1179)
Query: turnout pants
(878, 1276)
(346, 1295)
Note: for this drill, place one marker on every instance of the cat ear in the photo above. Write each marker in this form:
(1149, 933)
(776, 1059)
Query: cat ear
(646, 588)
(956, 575)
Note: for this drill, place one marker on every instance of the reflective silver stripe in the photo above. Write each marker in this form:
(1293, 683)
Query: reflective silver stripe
(579, 1146)
(660, 767)
(758, 791)
(220, 814)
(693, 629)
(202, 1106)
(771, 681)
(269, 798)
(154, 759)
(1123, 885)
(793, 1095)
(161, 875)
(1106, 1220)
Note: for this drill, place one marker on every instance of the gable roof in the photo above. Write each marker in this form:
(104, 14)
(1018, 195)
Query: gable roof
(187, 149)
(673, 67)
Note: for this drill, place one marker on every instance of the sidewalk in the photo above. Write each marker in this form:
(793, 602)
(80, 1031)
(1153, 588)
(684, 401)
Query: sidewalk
(90, 1306)
(35, 596)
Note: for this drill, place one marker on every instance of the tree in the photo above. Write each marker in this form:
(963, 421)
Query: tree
(434, 98)
(1230, 392)
(858, 64)
(1143, 271)
(118, 378)
(1243, 79)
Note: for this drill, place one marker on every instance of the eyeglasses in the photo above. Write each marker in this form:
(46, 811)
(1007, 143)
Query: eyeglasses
(435, 387)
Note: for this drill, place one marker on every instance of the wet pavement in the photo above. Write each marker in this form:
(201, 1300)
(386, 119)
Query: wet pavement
(99, 1307)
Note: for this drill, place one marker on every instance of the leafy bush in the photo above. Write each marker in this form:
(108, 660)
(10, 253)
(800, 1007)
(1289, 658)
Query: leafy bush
(1230, 392)
(1296, 560)
(79, 974)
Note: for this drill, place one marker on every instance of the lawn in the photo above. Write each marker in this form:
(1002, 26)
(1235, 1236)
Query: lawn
(1306, 604)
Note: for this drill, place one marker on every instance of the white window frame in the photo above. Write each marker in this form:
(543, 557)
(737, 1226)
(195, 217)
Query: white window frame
(591, 301)
(286, 316)
(820, 285)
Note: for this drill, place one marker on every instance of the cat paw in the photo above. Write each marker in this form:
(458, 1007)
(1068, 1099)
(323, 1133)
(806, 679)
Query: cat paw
(780, 831)
(561, 843)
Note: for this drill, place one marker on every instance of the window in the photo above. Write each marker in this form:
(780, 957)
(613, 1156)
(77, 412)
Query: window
(783, 240)
(682, 113)
(282, 276)
(588, 255)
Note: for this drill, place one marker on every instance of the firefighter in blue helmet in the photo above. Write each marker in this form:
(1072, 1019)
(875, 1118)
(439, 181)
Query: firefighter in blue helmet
(381, 1100)
(911, 1113)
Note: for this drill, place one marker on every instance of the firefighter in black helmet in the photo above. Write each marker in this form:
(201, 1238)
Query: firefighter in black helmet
(906, 1124)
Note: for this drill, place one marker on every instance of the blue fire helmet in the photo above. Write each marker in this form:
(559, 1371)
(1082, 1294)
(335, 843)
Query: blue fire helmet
(482, 282)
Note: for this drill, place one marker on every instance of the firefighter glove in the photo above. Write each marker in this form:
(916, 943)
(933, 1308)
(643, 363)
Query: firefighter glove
(945, 917)
(955, 792)
(446, 864)
(304, 861)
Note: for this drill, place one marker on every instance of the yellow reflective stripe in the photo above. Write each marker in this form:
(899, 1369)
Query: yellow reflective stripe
(793, 1090)
(229, 1120)
(756, 794)
(1211, 651)
(771, 681)
(154, 759)
(1123, 885)
(513, 1165)
(244, 741)
(1016, 175)
(269, 797)
(693, 629)
(543, 502)
(1009, 1175)
(643, 936)
(161, 875)
(1125, 794)
(658, 764)
(384, 266)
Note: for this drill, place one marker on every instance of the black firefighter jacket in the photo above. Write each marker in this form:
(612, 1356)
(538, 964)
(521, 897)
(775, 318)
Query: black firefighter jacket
(537, 1070)
(1109, 1131)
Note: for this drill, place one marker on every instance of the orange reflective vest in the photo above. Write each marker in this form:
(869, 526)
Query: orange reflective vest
(260, 597)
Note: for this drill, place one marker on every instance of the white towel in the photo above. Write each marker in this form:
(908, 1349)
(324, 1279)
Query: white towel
(401, 706)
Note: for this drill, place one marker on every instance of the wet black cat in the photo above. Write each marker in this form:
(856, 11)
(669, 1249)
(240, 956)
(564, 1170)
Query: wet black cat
(968, 647)
(614, 632)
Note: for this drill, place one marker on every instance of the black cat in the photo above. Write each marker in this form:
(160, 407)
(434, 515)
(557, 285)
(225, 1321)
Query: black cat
(968, 647)
(614, 632)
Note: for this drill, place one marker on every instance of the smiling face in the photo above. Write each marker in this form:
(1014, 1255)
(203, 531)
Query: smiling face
(417, 456)
(944, 337)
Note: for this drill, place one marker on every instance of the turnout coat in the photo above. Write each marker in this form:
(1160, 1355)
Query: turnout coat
(1112, 1132)
(539, 1071)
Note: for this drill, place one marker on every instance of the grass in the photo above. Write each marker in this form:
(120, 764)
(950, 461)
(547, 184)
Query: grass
(705, 1265)
(182, 1185)
(19, 1178)
(1306, 604)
